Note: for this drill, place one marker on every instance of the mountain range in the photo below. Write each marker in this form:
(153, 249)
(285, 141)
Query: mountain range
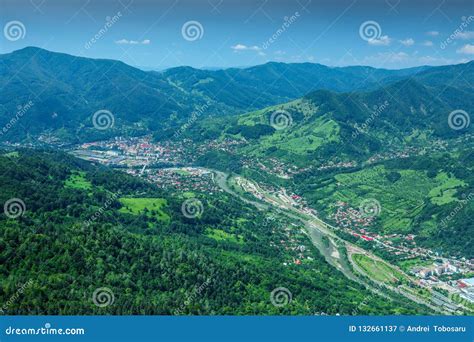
(67, 90)
(280, 161)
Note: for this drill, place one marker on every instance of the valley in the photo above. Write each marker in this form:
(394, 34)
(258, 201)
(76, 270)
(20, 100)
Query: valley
(342, 246)
(352, 188)
(99, 226)
(338, 251)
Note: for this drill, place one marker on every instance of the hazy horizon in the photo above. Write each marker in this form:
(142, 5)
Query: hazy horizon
(211, 68)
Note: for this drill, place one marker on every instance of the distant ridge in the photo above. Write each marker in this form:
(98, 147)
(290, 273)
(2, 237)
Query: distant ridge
(67, 90)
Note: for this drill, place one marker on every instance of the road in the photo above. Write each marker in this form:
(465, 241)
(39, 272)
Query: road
(316, 229)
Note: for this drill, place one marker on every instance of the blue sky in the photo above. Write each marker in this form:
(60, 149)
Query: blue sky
(145, 33)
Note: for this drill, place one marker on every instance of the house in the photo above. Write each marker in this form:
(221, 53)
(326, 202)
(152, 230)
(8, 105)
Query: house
(425, 273)
(466, 283)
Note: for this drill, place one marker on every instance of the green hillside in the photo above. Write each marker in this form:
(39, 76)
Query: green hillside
(399, 150)
(65, 91)
(72, 240)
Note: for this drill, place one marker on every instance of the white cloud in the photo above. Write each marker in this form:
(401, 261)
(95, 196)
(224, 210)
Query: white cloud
(467, 49)
(132, 42)
(243, 47)
(427, 43)
(465, 35)
(407, 42)
(239, 47)
(432, 33)
(382, 41)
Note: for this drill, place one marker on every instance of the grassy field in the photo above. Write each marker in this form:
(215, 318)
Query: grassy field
(78, 180)
(220, 235)
(136, 206)
(303, 139)
(407, 265)
(13, 154)
(182, 172)
(378, 270)
(306, 133)
(188, 194)
(444, 193)
(262, 116)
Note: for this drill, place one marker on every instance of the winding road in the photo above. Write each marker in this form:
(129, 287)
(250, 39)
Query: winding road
(317, 230)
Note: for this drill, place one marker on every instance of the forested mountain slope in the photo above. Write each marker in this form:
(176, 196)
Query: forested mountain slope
(74, 236)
